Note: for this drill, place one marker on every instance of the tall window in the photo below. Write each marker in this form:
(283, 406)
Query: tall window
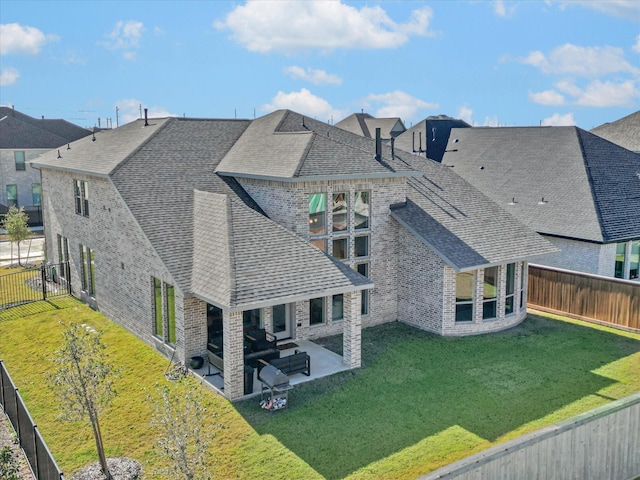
(361, 246)
(170, 302)
(634, 261)
(88, 270)
(316, 311)
(19, 158)
(341, 248)
(63, 254)
(621, 251)
(81, 194)
(523, 276)
(490, 293)
(317, 213)
(252, 319)
(464, 296)
(12, 196)
(340, 212)
(36, 194)
(363, 269)
(158, 327)
(337, 307)
(361, 210)
(509, 305)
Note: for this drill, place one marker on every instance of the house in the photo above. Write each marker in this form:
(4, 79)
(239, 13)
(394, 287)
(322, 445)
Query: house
(193, 232)
(429, 137)
(23, 138)
(365, 125)
(624, 132)
(578, 190)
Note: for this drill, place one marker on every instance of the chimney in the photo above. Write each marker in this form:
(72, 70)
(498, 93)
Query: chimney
(393, 150)
(378, 145)
(146, 120)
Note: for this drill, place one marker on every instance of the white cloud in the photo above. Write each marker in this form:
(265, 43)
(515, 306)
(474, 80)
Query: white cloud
(618, 8)
(636, 46)
(8, 76)
(129, 109)
(19, 39)
(548, 97)
(500, 9)
(591, 62)
(293, 26)
(466, 114)
(306, 103)
(604, 94)
(125, 36)
(557, 120)
(398, 104)
(317, 77)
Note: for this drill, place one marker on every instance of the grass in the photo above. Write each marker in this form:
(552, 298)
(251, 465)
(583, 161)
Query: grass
(419, 402)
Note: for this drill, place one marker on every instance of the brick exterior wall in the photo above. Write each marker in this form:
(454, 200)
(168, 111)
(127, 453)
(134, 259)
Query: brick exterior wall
(124, 263)
(23, 179)
(580, 256)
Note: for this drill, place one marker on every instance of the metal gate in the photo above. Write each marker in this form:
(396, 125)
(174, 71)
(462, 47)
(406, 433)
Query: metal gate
(35, 284)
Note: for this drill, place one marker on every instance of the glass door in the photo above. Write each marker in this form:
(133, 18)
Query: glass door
(282, 321)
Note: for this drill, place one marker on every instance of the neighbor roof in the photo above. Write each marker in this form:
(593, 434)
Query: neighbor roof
(624, 132)
(18, 130)
(463, 226)
(430, 136)
(365, 125)
(287, 146)
(560, 181)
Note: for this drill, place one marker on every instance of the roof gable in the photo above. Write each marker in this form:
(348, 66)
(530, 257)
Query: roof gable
(624, 132)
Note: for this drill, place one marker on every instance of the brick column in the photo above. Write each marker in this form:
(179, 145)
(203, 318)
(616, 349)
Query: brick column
(233, 352)
(301, 312)
(478, 296)
(352, 330)
(502, 291)
(267, 318)
(195, 328)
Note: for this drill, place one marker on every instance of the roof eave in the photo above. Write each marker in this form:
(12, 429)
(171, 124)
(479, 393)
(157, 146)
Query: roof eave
(322, 178)
(78, 171)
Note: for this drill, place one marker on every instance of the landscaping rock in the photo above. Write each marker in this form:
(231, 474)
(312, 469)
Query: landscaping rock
(121, 468)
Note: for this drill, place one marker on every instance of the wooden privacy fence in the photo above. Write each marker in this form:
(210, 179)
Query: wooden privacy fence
(588, 297)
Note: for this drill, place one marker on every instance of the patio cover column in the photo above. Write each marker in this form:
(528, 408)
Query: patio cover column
(233, 352)
(352, 329)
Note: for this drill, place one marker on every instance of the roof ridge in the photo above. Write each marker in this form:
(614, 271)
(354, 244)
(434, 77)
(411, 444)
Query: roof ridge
(305, 155)
(231, 250)
(587, 167)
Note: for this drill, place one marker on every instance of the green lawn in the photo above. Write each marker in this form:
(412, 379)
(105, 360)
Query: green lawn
(419, 402)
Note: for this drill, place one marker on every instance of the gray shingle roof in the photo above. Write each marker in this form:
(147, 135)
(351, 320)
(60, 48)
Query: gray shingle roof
(590, 186)
(430, 136)
(257, 262)
(464, 227)
(624, 132)
(365, 125)
(288, 146)
(18, 130)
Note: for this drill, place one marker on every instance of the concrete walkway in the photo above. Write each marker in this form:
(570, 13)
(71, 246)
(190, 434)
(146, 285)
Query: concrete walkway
(34, 248)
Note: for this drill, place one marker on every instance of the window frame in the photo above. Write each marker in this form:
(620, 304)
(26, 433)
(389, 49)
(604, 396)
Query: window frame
(21, 165)
(319, 213)
(317, 302)
(81, 197)
(158, 316)
(36, 189)
(13, 200)
(364, 296)
(490, 304)
(466, 302)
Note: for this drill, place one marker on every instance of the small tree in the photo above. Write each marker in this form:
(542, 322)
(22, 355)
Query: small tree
(83, 380)
(15, 223)
(180, 412)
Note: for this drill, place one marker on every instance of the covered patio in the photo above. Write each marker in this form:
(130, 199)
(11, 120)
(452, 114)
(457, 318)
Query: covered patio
(323, 363)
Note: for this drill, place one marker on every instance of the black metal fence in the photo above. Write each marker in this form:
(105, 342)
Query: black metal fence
(34, 284)
(42, 463)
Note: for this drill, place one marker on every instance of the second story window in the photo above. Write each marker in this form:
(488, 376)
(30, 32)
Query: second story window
(12, 196)
(317, 213)
(81, 194)
(36, 194)
(19, 158)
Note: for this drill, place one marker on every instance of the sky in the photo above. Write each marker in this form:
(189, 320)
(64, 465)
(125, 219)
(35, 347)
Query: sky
(490, 63)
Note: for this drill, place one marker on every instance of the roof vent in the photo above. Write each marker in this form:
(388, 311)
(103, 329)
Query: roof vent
(59, 156)
(146, 119)
(543, 201)
(513, 201)
(481, 167)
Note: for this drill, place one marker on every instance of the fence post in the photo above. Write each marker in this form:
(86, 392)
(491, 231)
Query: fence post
(2, 384)
(43, 273)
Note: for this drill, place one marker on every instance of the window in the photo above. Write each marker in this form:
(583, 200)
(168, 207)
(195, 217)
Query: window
(12, 196)
(251, 320)
(340, 212)
(19, 158)
(509, 305)
(634, 262)
(63, 254)
(88, 270)
(490, 293)
(317, 213)
(361, 246)
(170, 302)
(523, 276)
(319, 243)
(36, 194)
(363, 269)
(621, 250)
(340, 248)
(81, 193)
(465, 283)
(158, 327)
(337, 307)
(361, 210)
(316, 311)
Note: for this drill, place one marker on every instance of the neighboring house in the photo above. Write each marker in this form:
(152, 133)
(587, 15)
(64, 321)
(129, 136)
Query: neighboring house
(188, 230)
(365, 125)
(22, 139)
(580, 191)
(624, 132)
(429, 137)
